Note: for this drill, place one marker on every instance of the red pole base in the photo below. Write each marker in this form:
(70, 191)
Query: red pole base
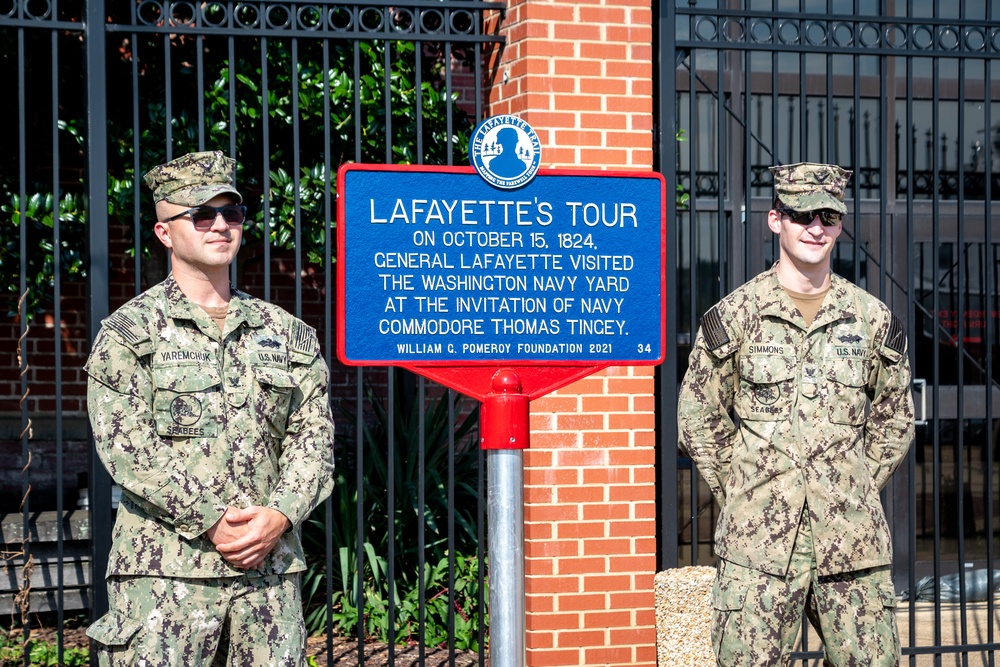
(504, 423)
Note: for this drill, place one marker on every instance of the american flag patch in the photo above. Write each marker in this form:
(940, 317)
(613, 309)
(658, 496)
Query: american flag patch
(712, 329)
(125, 327)
(303, 338)
(895, 337)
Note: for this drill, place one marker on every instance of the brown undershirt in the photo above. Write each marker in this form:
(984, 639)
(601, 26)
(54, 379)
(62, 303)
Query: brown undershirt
(808, 304)
(218, 314)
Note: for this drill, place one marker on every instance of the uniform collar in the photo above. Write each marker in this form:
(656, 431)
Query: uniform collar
(838, 304)
(180, 307)
(241, 309)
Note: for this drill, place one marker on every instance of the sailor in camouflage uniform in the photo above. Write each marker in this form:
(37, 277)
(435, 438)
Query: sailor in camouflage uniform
(210, 409)
(796, 408)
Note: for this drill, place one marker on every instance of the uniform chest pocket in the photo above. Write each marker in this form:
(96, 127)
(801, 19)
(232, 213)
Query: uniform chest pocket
(186, 401)
(275, 388)
(765, 390)
(846, 397)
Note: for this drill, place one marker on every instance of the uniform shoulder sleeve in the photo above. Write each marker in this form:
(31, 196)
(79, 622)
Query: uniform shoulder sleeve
(128, 330)
(303, 343)
(719, 333)
(119, 346)
(891, 339)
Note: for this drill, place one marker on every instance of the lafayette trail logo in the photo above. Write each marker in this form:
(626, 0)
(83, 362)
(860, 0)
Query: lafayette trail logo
(505, 151)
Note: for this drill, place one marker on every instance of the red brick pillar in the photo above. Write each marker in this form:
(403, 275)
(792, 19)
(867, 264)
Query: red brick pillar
(581, 75)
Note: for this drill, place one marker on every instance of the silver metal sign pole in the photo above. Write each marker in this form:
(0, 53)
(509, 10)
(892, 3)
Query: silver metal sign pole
(505, 507)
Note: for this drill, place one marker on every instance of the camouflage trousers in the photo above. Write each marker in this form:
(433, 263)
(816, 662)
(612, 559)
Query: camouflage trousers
(247, 621)
(757, 616)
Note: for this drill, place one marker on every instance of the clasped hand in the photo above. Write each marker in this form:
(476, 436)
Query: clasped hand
(245, 537)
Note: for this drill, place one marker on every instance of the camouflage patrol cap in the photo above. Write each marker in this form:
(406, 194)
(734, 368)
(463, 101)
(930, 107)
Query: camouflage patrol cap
(193, 179)
(807, 186)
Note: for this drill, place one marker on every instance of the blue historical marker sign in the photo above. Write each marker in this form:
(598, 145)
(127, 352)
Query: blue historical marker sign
(438, 267)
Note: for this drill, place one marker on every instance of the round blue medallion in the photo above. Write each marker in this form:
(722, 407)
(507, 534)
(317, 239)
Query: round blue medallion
(505, 152)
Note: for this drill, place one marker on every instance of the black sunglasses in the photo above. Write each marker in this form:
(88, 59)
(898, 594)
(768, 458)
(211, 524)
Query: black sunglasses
(203, 217)
(826, 216)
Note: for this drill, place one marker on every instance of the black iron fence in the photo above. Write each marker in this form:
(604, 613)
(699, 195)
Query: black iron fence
(902, 94)
(97, 92)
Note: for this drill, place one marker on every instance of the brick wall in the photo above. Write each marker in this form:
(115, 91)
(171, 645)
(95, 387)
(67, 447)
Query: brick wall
(581, 74)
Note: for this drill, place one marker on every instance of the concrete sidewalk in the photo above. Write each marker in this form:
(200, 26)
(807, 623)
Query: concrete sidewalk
(924, 622)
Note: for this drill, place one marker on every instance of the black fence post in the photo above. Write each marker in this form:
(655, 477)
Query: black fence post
(664, 141)
(99, 492)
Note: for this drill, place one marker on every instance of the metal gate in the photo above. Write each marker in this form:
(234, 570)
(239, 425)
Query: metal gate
(902, 94)
(98, 92)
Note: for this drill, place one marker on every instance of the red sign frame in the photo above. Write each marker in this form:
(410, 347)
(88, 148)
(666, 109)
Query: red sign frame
(478, 379)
